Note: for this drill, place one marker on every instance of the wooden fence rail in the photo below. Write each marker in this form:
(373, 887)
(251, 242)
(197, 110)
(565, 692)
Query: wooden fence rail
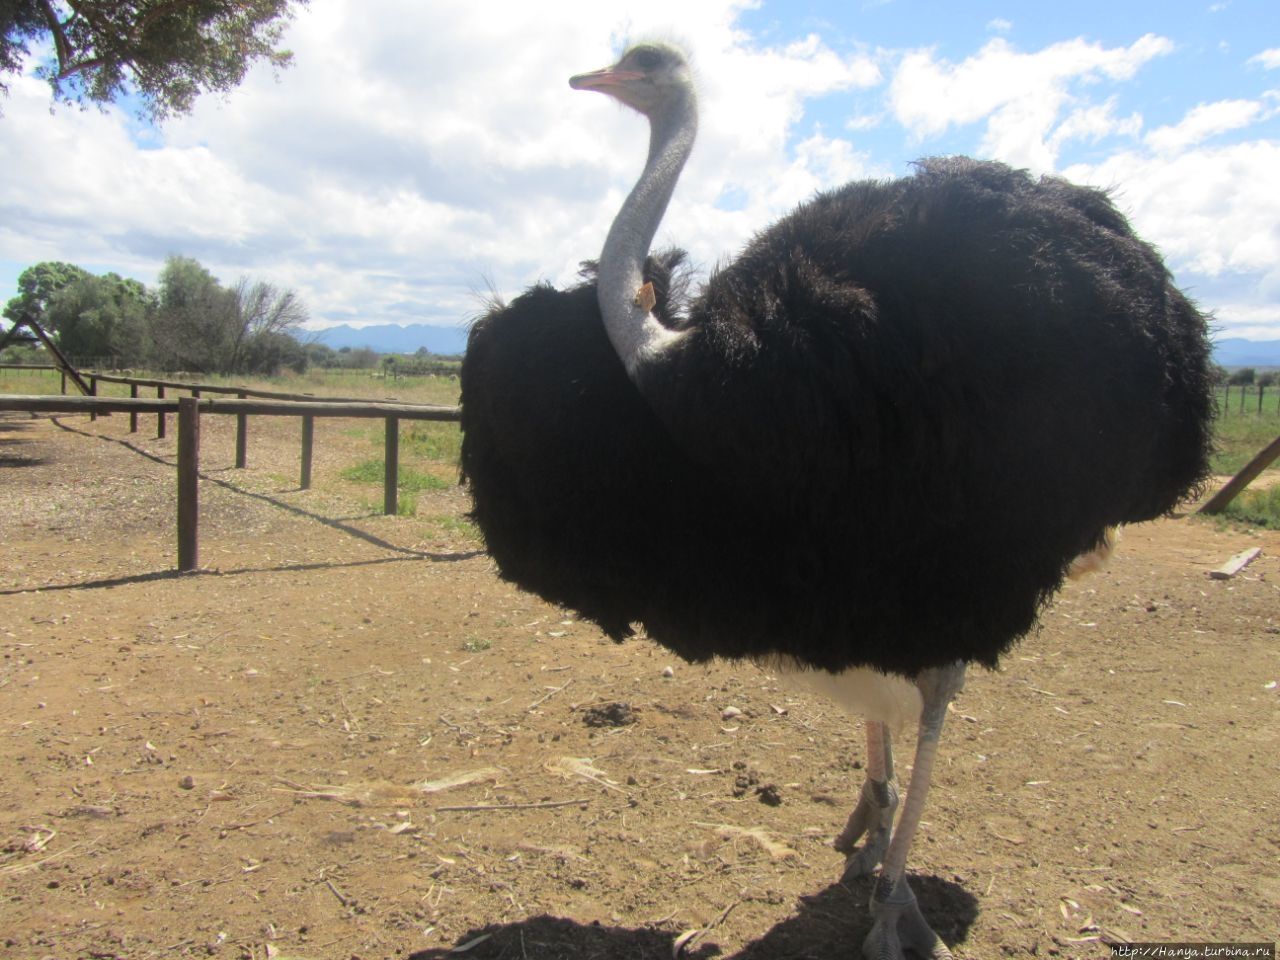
(189, 410)
(161, 385)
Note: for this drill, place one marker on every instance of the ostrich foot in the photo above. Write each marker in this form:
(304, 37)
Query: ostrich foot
(873, 816)
(900, 926)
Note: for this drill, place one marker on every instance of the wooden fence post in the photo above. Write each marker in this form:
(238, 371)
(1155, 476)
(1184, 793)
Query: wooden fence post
(391, 478)
(188, 483)
(160, 415)
(133, 414)
(93, 392)
(242, 437)
(308, 444)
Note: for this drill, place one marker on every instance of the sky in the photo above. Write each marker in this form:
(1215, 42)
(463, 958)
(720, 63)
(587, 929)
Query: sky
(418, 156)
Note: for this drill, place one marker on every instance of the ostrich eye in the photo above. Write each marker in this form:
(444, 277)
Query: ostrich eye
(647, 59)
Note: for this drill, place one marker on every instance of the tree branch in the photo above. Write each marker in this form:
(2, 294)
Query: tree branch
(159, 10)
(56, 27)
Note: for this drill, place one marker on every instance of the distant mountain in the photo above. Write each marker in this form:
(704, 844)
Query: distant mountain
(394, 338)
(1234, 352)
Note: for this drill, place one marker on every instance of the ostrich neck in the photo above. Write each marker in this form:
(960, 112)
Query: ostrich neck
(637, 335)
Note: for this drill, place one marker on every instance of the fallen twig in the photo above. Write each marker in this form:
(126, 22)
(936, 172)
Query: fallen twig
(546, 805)
(690, 937)
(254, 823)
(336, 794)
(336, 892)
(554, 690)
(13, 869)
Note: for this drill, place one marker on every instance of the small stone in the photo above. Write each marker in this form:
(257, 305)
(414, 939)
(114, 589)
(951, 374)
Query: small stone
(188, 782)
(668, 672)
(728, 713)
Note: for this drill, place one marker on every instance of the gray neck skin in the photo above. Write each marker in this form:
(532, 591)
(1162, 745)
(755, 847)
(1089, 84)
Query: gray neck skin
(636, 334)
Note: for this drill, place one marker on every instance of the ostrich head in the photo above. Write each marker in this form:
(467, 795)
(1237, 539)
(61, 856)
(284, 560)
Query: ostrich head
(653, 79)
(647, 78)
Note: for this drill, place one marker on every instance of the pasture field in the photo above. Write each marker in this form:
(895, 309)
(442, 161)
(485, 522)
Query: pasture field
(345, 737)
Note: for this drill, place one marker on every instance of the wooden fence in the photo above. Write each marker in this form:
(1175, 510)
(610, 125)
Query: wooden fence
(1240, 398)
(249, 402)
(189, 410)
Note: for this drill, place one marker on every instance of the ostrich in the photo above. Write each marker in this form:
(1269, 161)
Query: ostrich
(866, 453)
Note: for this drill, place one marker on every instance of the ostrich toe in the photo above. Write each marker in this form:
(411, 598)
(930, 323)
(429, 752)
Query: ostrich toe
(899, 927)
(872, 817)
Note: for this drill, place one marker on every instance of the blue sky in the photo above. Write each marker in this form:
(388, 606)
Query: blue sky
(418, 155)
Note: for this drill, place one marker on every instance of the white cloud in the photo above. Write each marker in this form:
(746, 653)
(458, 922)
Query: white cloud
(1094, 123)
(1267, 59)
(1212, 211)
(1202, 122)
(1205, 189)
(1020, 97)
(864, 122)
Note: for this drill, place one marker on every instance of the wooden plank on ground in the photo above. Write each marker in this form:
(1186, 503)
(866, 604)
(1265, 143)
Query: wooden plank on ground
(1235, 564)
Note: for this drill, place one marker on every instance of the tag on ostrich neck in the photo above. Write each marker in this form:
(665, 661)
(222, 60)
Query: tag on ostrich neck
(646, 299)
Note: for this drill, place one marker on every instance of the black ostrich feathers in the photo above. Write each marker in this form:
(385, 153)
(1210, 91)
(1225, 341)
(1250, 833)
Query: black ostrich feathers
(894, 421)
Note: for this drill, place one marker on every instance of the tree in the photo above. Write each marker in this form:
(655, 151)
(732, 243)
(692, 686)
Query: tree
(36, 287)
(321, 355)
(264, 315)
(359, 358)
(167, 52)
(269, 353)
(203, 327)
(20, 22)
(194, 318)
(106, 316)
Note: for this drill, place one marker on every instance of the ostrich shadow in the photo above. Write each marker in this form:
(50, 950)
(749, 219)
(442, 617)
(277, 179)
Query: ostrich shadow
(825, 927)
(15, 459)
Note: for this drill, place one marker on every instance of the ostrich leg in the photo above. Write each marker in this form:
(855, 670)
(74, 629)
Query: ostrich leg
(898, 921)
(876, 807)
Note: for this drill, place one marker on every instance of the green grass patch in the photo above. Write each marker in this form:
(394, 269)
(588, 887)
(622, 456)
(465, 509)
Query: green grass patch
(452, 527)
(1238, 438)
(370, 471)
(432, 440)
(1257, 508)
(409, 481)
(39, 383)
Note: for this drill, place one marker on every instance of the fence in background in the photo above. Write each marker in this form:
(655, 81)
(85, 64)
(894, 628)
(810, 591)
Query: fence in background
(190, 409)
(248, 402)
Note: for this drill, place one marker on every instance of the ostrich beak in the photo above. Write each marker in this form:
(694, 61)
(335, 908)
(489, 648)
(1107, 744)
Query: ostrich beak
(604, 80)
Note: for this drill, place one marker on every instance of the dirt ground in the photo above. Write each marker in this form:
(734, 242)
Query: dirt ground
(346, 738)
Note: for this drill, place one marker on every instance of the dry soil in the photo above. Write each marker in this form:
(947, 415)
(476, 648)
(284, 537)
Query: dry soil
(345, 737)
